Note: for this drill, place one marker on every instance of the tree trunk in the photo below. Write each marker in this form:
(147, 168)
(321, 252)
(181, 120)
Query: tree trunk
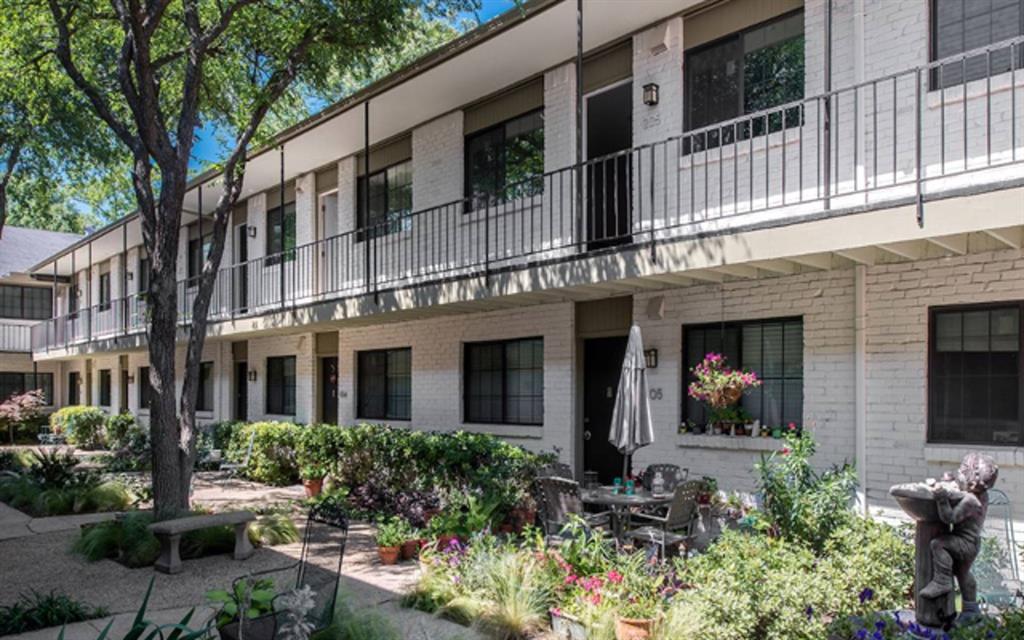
(3, 208)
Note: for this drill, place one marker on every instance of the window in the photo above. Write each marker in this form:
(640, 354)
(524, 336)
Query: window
(506, 161)
(25, 303)
(746, 72)
(145, 389)
(390, 201)
(198, 251)
(385, 384)
(281, 386)
(13, 382)
(104, 291)
(281, 234)
(505, 382)
(105, 386)
(74, 388)
(773, 349)
(144, 275)
(962, 25)
(204, 399)
(974, 375)
(74, 300)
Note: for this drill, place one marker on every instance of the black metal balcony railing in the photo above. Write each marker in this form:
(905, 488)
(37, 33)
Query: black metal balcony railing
(15, 338)
(890, 139)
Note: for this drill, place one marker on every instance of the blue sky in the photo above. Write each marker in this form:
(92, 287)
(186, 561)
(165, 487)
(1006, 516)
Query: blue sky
(206, 148)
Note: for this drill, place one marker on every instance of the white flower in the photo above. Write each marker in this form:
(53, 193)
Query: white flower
(296, 605)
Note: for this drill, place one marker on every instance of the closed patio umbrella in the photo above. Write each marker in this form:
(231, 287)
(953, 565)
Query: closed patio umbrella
(631, 426)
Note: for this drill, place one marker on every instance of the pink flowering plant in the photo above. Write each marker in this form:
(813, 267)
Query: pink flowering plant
(720, 386)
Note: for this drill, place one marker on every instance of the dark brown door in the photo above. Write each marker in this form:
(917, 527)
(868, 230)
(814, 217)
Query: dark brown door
(602, 366)
(329, 390)
(241, 269)
(608, 173)
(123, 406)
(241, 391)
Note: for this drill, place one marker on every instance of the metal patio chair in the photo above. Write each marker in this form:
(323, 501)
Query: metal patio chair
(559, 498)
(672, 474)
(318, 567)
(675, 526)
(556, 470)
(997, 568)
(232, 469)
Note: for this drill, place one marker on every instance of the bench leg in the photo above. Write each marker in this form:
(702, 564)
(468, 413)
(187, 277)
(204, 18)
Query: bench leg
(170, 558)
(243, 548)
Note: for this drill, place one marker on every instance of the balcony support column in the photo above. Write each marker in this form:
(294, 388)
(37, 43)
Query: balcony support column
(367, 234)
(53, 311)
(88, 296)
(73, 294)
(578, 173)
(827, 123)
(124, 278)
(284, 224)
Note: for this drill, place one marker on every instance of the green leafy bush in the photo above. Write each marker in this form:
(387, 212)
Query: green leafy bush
(273, 460)
(221, 433)
(36, 610)
(81, 425)
(129, 443)
(14, 460)
(800, 503)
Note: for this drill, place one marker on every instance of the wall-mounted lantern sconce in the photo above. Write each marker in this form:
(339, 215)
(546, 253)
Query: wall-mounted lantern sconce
(651, 94)
(252, 375)
(651, 358)
(131, 379)
(251, 230)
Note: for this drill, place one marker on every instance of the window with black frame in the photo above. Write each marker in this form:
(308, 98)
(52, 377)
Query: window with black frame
(105, 293)
(505, 162)
(198, 251)
(504, 382)
(280, 387)
(25, 303)
(204, 396)
(281, 234)
(145, 388)
(749, 71)
(773, 349)
(974, 375)
(390, 201)
(385, 384)
(74, 388)
(959, 26)
(105, 388)
(16, 382)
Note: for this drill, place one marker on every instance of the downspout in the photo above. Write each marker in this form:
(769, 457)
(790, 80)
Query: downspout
(860, 384)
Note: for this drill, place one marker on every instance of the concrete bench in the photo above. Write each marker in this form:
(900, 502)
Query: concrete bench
(169, 533)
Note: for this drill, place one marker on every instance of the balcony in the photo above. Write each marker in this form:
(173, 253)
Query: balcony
(891, 141)
(15, 338)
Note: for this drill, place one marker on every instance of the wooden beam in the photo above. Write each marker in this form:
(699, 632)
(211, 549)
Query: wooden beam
(1012, 237)
(782, 267)
(738, 271)
(910, 250)
(863, 255)
(820, 261)
(706, 276)
(956, 244)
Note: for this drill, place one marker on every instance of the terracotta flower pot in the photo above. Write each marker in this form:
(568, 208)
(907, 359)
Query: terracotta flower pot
(389, 555)
(313, 487)
(444, 540)
(410, 548)
(633, 628)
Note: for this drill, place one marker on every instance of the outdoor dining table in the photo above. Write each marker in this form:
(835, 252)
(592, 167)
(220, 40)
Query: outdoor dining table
(620, 503)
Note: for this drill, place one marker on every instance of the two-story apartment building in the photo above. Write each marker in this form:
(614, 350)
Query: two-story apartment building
(24, 301)
(830, 193)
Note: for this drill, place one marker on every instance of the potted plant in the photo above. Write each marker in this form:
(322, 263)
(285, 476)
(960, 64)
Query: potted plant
(721, 388)
(249, 603)
(709, 489)
(567, 626)
(443, 527)
(638, 603)
(391, 533)
(312, 479)
(413, 542)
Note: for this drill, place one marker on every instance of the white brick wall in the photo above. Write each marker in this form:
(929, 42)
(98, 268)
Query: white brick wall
(437, 347)
(300, 346)
(437, 171)
(825, 303)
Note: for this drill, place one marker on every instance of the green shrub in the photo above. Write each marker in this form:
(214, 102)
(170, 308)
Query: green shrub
(81, 425)
(14, 460)
(119, 427)
(800, 503)
(221, 433)
(129, 442)
(35, 610)
(273, 460)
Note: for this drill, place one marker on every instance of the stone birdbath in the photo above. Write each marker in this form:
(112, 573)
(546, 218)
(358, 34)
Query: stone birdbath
(918, 501)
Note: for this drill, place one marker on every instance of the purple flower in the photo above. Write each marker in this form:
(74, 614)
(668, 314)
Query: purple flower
(866, 594)
(809, 612)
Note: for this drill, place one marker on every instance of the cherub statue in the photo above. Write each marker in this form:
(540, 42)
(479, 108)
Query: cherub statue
(962, 501)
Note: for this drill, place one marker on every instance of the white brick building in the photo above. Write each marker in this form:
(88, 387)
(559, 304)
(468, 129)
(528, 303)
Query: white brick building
(859, 246)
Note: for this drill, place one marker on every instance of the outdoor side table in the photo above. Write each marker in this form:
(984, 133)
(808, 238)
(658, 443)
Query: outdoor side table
(620, 504)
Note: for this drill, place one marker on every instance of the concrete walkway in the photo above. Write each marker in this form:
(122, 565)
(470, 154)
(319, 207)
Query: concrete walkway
(35, 555)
